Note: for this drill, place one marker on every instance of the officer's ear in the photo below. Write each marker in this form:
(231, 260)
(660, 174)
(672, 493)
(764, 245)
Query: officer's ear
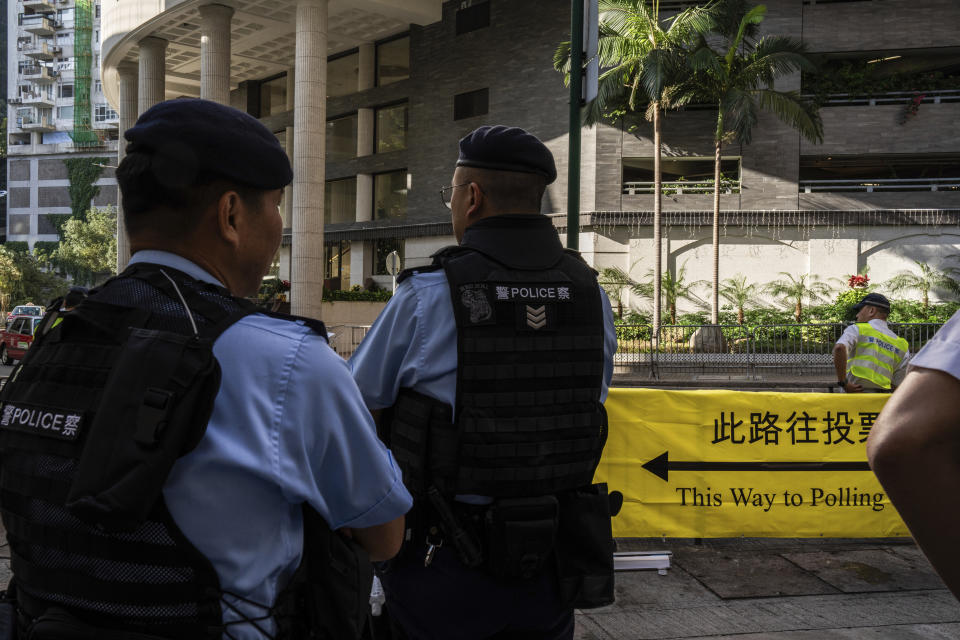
(229, 210)
(477, 199)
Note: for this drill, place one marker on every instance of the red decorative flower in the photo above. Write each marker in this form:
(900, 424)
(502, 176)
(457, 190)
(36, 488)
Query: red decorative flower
(858, 282)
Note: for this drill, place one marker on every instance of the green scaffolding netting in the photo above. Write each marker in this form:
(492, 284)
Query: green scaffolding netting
(83, 134)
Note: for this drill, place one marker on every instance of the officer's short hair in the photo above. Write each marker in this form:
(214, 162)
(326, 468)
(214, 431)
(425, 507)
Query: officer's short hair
(507, 189)
(149, 204)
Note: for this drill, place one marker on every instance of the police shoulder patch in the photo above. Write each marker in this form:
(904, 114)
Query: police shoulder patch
(63, 424)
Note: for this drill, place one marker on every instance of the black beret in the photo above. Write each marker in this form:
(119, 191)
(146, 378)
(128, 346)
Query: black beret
(189, 138)
(507, 149)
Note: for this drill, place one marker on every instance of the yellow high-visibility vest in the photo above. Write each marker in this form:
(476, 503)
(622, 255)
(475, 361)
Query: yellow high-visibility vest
(876, 356)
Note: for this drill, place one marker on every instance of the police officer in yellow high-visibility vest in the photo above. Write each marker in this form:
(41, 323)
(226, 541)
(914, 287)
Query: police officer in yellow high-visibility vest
(869, 355)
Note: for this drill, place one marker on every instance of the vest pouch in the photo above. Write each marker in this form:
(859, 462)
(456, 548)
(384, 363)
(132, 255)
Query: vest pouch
(585, 548)
(521, 533)
(154, 408)
(333, 584)
(58, 624)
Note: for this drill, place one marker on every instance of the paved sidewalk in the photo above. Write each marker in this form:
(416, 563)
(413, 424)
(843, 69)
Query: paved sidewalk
(759, 589)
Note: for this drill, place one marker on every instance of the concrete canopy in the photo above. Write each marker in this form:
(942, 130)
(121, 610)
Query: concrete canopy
(263, 35)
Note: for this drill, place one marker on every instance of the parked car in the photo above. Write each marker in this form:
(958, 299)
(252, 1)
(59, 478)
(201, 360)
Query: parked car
(31, 310)
(17, 338)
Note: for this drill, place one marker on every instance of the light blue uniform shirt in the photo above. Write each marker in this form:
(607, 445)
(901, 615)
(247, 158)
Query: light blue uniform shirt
(288, 426)
(413, 344)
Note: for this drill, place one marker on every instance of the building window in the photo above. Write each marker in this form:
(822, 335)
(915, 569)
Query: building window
(476, 16)
(96, 10)
(65, 38)
(65, 16)
(391, 128)
(97, 86)
(680, 175)
(340, 201)
(342, 138)
(381, 249)
(471, 103)
(103, 113)
(65, 91)
(390, 195)
(342, 74)
(273, 96)
(65, 113)
(393, 61)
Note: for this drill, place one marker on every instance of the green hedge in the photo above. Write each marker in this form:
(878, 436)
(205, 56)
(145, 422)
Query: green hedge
(352, 295)
(17, 246)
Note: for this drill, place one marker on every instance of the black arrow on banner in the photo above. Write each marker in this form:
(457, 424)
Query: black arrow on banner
(662, 465)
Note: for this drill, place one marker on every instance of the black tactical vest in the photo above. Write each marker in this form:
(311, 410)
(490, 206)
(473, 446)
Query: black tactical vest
(92, 419)
(529, 425)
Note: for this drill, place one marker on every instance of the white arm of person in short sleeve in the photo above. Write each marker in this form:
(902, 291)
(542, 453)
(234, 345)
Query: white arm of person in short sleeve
(914, 448)
(328, 454)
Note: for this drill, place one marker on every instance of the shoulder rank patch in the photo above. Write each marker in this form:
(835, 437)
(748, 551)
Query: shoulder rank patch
(62, 424)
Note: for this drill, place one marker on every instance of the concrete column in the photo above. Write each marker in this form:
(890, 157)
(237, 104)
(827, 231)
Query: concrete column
(128, 75)
(151, 87)
(364, 197)
(288, 191)
(366, 66)
(309, 157)
(215, 52)
(364, 132)
(359, 261)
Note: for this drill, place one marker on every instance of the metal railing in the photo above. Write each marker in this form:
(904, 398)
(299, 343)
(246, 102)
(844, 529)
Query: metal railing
(727, 186)
(869, 185)
(786, 351)
(346, 338)
(758, 352)
(933, 96)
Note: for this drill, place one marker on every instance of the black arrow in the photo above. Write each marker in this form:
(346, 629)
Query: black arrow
(661, 466)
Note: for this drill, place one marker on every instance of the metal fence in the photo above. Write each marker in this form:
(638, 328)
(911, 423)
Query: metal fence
(696, 352)
(760, 352)
(345, 338)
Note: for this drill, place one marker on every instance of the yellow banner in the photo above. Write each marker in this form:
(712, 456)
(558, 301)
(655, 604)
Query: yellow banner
(717, 464)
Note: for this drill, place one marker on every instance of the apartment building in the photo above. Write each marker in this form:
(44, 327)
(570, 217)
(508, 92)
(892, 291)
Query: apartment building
(403, 81)
(60, 128)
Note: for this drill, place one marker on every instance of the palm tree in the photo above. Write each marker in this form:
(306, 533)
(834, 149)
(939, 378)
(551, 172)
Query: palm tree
(739, 77)
(641, 62)
(741, 295)
(674, 287)
(929, 279)
(793, 291)
(615, 281)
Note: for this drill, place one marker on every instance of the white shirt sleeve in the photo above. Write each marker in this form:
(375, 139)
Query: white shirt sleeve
(943, 351)
(849, 339)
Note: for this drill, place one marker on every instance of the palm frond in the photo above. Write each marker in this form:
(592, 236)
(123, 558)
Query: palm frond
(740, 114)
(795, 111)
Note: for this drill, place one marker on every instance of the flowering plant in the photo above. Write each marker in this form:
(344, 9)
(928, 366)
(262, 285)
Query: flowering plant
(858, 281)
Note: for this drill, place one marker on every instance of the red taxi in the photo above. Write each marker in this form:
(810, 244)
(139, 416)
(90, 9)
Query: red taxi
(16, 339)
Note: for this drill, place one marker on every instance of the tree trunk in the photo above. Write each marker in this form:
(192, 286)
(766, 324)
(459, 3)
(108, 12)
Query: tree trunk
(673, 312)
(657, 208)
(715, 293)
(798, 311)
(740, 317)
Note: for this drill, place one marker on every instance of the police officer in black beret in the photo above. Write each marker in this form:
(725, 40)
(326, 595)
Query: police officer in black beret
(176, 461)
(488, 370)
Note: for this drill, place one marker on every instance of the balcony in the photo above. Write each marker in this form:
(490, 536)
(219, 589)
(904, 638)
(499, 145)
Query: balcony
(39, 75)
(44, 27)
(37, 123)
(39, 6)
(37, 99)
(40, 51)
